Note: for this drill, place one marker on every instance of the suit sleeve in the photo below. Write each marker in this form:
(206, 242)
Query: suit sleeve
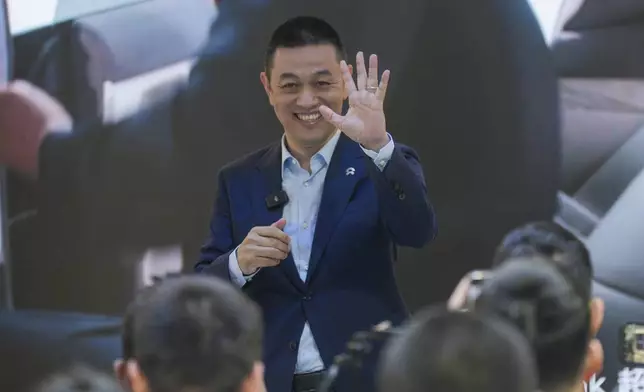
(215, 254)
(402, 195)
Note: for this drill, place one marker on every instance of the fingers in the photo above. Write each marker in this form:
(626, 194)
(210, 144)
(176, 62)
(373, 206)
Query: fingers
(372, 78)
(331, 116)
(272, 232)
(261, 261)
(346, 76)
(362, 72)
(279, 224)
(273, 243)
(269, 253)
(369, 80)
(382, 89)
(459, 296)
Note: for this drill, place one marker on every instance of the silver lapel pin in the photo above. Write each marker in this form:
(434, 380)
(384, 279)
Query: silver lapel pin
(350, 171)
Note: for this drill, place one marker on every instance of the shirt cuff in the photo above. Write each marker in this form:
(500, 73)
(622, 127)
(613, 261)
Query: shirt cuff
(236, 274)
(382, 157)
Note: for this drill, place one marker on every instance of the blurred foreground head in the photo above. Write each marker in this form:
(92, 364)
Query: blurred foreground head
(553, 242)
(548, 241)
(192, 333)
(535, 295)
(443, 351)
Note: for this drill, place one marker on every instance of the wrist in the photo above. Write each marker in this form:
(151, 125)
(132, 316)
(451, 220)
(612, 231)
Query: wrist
(377, 144)
(246, 269)
(250, 272)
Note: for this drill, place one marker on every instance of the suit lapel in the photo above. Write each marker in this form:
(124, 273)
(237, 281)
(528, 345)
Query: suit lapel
(270, 182)
(346, 169)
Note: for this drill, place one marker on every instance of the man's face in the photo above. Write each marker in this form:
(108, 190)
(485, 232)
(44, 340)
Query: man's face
(301, 80)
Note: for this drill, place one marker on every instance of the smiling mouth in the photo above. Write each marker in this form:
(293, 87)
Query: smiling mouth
(311, 117)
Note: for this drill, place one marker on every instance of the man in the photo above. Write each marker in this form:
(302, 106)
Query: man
(447, 351)
(307, 226)
(192, 334)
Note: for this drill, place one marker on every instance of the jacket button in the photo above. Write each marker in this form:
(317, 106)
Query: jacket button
(307, 298)
(402, 196)
(292, 345)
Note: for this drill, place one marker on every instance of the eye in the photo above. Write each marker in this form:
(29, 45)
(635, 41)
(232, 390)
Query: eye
(322, 83)
(288, 86)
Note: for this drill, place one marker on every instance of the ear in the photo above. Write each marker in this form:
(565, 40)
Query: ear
(255, 380)
(597, 308)
(594, 362)
(263, 77)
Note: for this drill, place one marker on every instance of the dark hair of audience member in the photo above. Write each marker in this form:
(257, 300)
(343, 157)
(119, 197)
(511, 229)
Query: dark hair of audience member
(80, 379)
(193, 333)
(443, 351)
(302, 31)
(532, 293)
(554, 242)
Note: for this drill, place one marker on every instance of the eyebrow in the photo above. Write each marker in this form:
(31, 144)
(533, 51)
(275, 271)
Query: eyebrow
(289, 75)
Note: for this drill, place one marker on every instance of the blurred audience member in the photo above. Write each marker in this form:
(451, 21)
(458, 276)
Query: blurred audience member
(196, 334)
(534, 294)
(552, 241)
(572, 258)
(443, 351)
(80, 379)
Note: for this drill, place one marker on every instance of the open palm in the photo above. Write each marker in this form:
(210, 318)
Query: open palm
(365, 120)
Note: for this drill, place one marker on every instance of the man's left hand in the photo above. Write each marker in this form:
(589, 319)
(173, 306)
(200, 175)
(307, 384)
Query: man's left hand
(365, 121)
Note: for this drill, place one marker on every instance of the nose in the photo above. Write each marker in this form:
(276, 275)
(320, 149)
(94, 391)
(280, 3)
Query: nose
(307, 98)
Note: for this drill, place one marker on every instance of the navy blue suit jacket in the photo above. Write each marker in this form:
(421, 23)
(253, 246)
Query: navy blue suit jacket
(350, 284)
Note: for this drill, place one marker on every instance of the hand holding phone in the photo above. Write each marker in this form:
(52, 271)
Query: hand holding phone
(467, 290)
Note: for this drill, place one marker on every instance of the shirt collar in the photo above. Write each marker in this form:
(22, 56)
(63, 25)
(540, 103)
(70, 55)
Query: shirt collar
(325, 153)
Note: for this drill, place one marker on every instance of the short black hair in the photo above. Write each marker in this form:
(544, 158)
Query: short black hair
(555, 243)
(80, 378)
(303, 31)
(193, 332)
(541, 300)
(445, 351)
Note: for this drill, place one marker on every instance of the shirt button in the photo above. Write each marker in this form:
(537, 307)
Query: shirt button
(305, 225)
(382, 162)
(306, 184)
(292, 345)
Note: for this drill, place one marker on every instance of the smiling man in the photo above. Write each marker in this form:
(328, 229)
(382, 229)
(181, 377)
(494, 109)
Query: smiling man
(308, 226)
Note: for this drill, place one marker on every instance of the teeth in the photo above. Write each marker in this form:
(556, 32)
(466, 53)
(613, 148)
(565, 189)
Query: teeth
(308, 117)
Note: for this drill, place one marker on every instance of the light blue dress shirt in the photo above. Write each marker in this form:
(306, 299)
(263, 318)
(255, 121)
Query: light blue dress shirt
(304, 192)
